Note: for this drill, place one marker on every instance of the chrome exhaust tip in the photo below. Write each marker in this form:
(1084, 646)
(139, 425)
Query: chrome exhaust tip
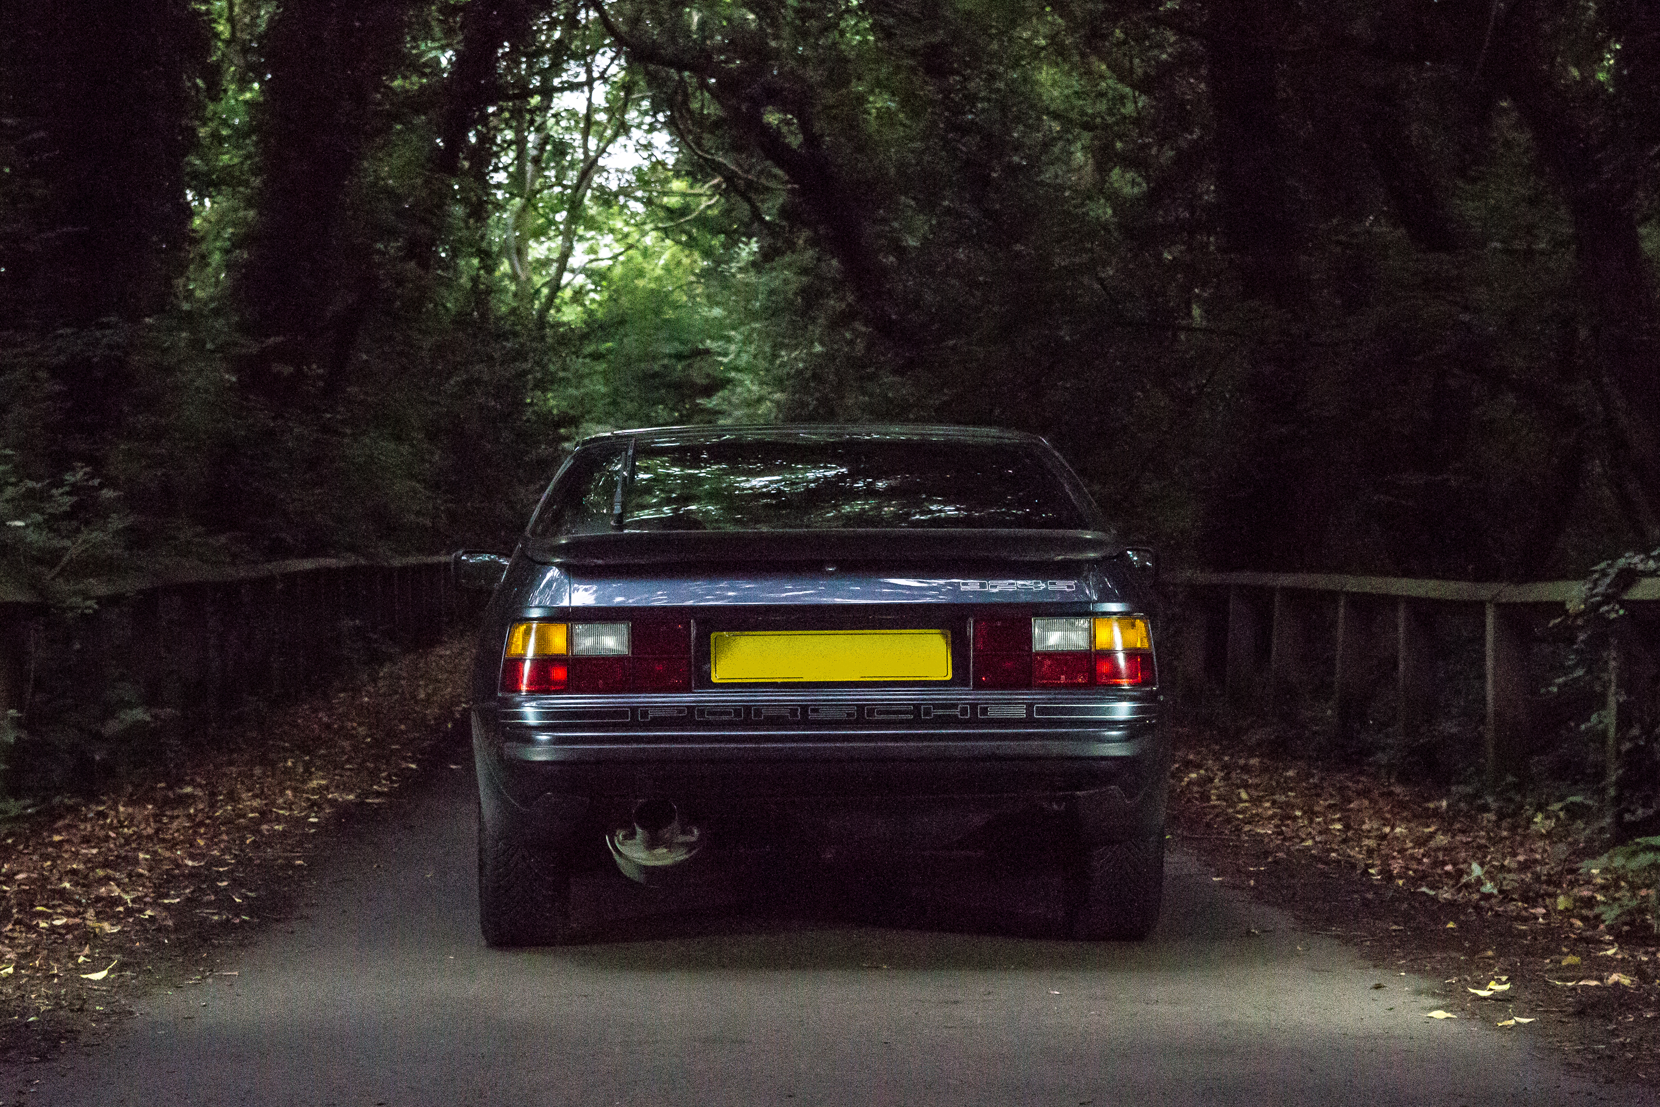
(657, 841)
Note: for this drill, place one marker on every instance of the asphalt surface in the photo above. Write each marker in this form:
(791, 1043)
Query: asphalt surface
(381, 993)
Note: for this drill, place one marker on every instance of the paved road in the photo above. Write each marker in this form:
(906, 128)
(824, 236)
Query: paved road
(384, 994)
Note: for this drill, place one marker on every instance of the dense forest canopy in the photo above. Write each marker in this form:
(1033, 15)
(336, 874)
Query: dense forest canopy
(1361, 285)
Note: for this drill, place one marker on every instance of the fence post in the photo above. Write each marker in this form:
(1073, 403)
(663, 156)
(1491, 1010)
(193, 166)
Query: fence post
(432, 604)
(1507, 692)
(1192, 651)
(1349, 680)
(1288, 647)
(1611, 738)
(1415, 681)
(1241, 679)
(399, 579)
(1632, 682)
(14, 655)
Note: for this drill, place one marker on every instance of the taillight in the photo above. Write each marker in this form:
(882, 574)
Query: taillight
(644, 656)
(1063, 652)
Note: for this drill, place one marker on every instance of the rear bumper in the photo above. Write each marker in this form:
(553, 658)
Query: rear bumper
(555, 779)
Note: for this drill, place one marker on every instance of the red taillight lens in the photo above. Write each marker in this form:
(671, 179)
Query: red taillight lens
(1002, 653)
(1060, 670)
(648, 656)
(1052, 652)
(600, 674)
(662, 639)
(1002, 636)
(662, 674)
(1003, 670)
(1124, 668)
(535, 675)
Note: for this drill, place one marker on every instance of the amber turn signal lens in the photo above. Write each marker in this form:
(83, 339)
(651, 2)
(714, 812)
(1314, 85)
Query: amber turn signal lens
(538, 640)
(1122, 632)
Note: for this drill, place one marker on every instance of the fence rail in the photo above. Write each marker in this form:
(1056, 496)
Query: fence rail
(1254, 631)
(201, 643)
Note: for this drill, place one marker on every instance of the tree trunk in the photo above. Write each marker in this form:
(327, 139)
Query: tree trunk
(491, 31)
(1599, 175)
(1252, 193)
(301, 297)
(97, 113)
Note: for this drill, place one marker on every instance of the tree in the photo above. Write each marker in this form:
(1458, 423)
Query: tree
(96, 109)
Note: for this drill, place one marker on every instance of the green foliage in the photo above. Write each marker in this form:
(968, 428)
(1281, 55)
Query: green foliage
(51, 531)
(1636, 865)
(1001, 213)
(1606, 659)
(431, 244)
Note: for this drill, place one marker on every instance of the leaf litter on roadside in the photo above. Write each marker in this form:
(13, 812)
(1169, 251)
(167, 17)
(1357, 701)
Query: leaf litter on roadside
(1516, 882)
(1522, 867)
(121, 874)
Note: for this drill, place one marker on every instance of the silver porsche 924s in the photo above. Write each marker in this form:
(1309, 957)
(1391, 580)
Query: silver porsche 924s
(819, 639)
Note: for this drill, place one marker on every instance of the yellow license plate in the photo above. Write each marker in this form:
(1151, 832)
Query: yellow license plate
(767, 656)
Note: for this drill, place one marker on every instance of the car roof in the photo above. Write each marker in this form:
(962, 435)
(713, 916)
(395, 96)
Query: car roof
(924, 431)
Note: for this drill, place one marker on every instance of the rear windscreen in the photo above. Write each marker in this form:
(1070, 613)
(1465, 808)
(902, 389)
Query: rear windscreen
(799, 483)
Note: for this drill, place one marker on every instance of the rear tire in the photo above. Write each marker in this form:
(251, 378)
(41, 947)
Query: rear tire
(1116, 889)
(524, 898)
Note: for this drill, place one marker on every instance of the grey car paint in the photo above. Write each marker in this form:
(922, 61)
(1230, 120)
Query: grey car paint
(563, 770)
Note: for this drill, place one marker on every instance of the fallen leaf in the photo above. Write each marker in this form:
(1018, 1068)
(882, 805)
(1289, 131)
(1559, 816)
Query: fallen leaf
(1452, 926)
(1571, 959)
(1439, 1014)
(101, 973)
(1618, 978)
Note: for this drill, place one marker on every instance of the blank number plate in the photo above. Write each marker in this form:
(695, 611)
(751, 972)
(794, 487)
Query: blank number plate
(791, 656)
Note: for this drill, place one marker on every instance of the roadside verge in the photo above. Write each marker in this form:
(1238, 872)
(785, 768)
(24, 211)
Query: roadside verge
(107, 896)
(1495, 906)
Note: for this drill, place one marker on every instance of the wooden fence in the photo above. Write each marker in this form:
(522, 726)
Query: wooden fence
(1250, 637)
(194, 647)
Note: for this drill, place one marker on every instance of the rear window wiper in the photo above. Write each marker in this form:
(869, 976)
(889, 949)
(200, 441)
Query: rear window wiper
(625, 472)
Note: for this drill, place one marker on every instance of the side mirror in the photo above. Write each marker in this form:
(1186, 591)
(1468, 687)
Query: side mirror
(477, 570)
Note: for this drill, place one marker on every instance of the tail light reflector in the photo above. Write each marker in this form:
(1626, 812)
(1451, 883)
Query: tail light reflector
(601, 674)
(1063, 652)
(662, 674)
(535, 675)
(652, 656)
(1060, 670)
(1123, 668)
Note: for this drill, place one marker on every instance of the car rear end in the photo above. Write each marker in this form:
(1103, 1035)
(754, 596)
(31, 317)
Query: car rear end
(663, 698)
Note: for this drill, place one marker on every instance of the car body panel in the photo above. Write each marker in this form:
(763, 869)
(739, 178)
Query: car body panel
(547, 587)
(821, 758)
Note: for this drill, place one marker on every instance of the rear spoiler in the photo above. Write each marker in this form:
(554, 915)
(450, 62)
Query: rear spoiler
(644, 547)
